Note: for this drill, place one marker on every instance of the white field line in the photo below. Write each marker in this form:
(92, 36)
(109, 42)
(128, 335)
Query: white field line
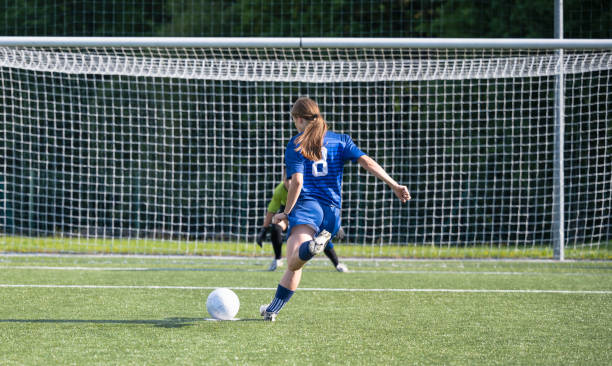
(70, 268)
(579, 292)
(266, 258)
(187, 269)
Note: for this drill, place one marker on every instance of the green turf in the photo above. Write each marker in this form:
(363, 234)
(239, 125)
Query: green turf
(19, 244)
(169, 325)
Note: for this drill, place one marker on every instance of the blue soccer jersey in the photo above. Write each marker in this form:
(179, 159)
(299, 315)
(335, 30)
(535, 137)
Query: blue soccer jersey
(323, 178)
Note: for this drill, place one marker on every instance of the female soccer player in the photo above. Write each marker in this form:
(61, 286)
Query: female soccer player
(314, 160)
(277, 203)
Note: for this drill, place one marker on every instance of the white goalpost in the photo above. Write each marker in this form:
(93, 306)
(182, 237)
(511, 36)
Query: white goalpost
(174, 145)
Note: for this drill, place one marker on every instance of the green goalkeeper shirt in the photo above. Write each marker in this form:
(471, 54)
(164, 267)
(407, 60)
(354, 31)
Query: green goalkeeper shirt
(279, 198)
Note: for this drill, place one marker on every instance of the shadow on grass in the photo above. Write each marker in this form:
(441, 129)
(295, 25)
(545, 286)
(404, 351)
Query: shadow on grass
(171, 269)
(163, 323)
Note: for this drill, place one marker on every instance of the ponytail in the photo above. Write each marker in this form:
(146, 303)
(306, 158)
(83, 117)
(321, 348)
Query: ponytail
(310, 142)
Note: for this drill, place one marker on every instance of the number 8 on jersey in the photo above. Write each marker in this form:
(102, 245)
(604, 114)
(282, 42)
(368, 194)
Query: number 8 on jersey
(319, 167)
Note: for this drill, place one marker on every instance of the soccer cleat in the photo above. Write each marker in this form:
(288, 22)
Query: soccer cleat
(275, 264)
(267, 315)
(317, 245)
(341, 267)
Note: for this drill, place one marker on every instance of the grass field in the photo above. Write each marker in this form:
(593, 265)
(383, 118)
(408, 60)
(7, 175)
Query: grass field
(59, 244)
(150, 310)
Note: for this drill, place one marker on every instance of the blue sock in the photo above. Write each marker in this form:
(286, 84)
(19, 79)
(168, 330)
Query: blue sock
(304, 252)
(282, 296)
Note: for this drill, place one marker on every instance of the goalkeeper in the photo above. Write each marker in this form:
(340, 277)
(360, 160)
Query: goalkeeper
(277, 204)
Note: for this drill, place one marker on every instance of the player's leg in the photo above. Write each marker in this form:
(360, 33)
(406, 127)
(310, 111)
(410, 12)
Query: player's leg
(276, 236)
(304, 220)
(311, 214)
(293, 274)
(332, 222)
(330, 252)
(300, 244)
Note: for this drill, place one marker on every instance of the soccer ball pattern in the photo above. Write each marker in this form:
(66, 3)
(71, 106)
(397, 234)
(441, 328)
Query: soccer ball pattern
(222, 304)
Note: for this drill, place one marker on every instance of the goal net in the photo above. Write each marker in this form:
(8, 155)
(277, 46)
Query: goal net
(178, 150)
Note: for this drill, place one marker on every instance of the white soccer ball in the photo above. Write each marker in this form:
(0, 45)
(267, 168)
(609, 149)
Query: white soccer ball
(222, 304)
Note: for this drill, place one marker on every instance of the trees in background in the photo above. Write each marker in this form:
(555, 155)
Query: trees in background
(314, 18)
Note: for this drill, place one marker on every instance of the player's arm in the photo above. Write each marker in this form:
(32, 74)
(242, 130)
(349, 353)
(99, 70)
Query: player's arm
(373, 167)
(286, 181)
(293, 192)
(268, 219)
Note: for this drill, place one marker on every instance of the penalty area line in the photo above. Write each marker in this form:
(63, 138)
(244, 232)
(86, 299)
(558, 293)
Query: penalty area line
(414, 290)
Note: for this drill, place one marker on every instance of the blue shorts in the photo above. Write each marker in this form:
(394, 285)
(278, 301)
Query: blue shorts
(316, 215)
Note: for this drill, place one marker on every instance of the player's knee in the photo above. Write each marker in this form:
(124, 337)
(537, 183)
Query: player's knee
(294, 263)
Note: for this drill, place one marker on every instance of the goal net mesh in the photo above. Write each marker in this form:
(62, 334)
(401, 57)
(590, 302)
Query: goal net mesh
(175, 150)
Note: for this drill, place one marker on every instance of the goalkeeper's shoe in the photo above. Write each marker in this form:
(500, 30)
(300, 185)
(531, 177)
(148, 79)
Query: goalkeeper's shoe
(341, 267)
(268, 316)
(275, 264)
(261, 236)
(317, 245)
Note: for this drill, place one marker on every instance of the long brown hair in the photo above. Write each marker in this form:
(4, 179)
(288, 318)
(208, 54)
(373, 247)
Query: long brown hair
(310, 142)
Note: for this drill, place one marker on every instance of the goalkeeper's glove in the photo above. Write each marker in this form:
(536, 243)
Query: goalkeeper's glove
(262, 236)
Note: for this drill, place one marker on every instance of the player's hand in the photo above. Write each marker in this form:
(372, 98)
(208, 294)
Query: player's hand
(402, 193)
(278, 217)
(340, 234)
(261, 236)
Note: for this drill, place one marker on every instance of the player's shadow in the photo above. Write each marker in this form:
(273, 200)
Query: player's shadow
(164, 269)
(163, 323)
